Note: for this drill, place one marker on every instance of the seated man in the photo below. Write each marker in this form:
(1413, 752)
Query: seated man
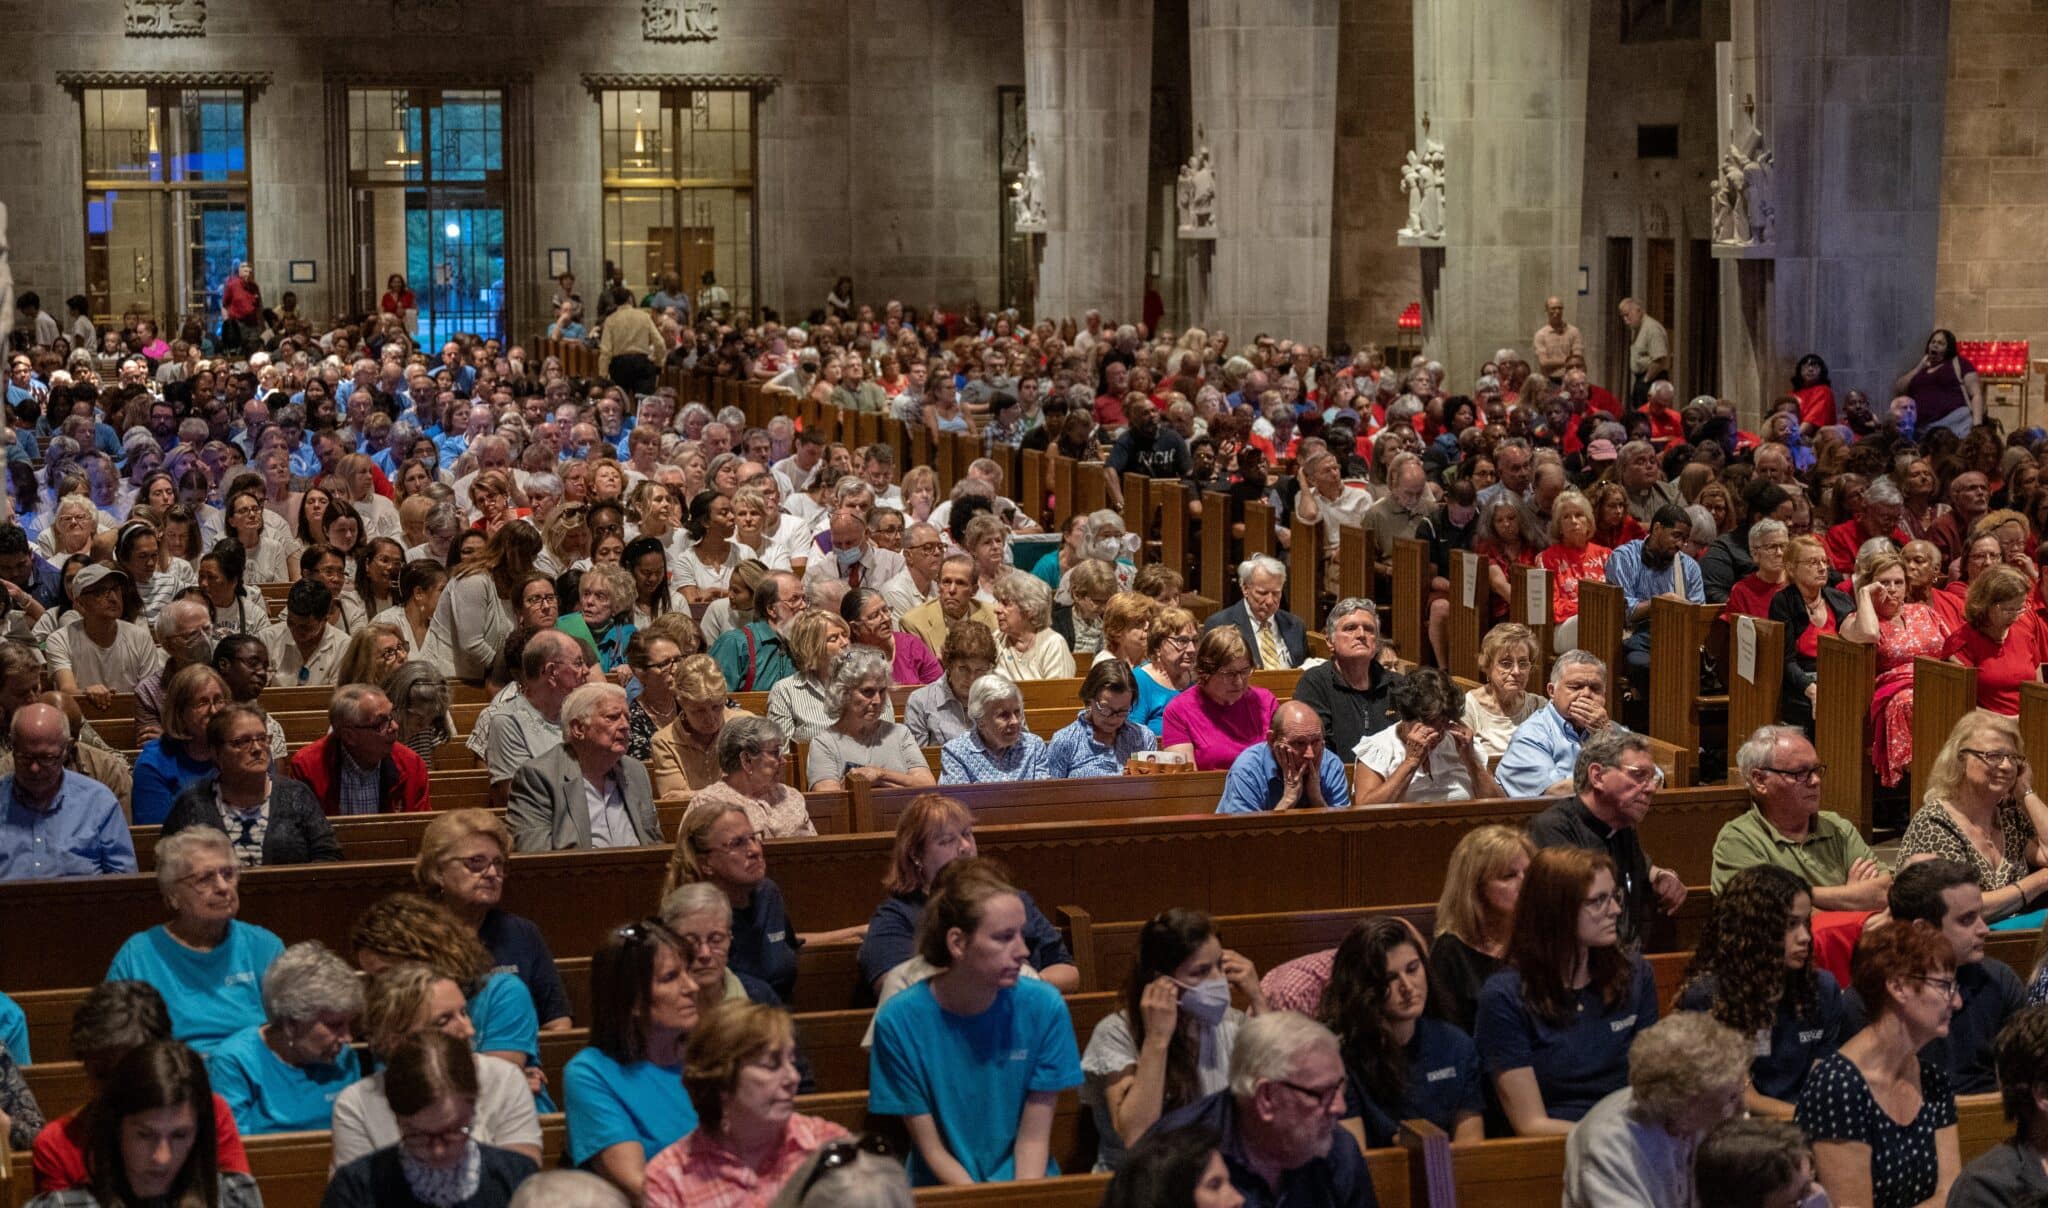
(1943, 896)
(1351, 690)
(1616, 780)
(955, 602)
(528, 725)
(1544, 749)
(181, 629)
(244, 662)
(1292, 769)
(1276, 638)
(359, 766)
(1653, 565)
(1785, 827)
(753, 657)
(1276, 1123)
(587, 792)
(304, 649)
(96, 654)
(57, 823)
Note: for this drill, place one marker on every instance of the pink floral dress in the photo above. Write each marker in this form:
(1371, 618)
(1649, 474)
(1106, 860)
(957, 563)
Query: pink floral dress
(1918, 631)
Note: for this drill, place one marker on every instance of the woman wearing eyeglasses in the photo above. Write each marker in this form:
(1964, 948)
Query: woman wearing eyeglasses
(997, 746)
(1169, 666)
(1981, 809)
(270, 820)
(461, 865)
(1102, 737)
(207, 964)
(623, 1095)
(1555, 1025)
(741, 1073)
(431, 1085)
(184, 756)
(975, 1058)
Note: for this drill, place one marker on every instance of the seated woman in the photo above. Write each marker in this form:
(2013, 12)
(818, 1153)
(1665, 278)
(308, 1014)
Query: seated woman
(2001, 637)
(420, 586)
(605, 596)
(1635, 1147)
(1475, 917)
(1027, 647)
(974, 1059)
(863, 743)
(872, 624)
(461, 867)
(407, 927)
(740, 1070)
(183, 757)
(432, 1089)
(1102, 737)
(1181, 1166)
(284, 1075)
(1572, 557)
(1754, 971)
(402, 1001)
(1168, 668)
(1126, 627)
(207, 964)
(998, 748)
(1507, 657)
(797, 703)
(750, 753)
(1426, 755)
(1214, 721)
(1982, 809)
(271, 820)
(1752, 594)
(718, 845)
(1398, 1063)
(1505, 549)
(1807, 608)
(1854, 1101)
(651, 660)
(932, 833)
(683, 755)
(1902, 631)
(373, 653)
(937, 712)
(1090, 585)
(1556, 1023)
(623, 1095)
(158, 1091)
(1170, 1042)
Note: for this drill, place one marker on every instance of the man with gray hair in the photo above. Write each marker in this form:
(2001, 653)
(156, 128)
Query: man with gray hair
(1615, 779)
(551, 666)
(359, 766)
(181, 629)
(1350, 691)
(1276, 1123)
(586, 793)
(1786, 828)
(57, 823)
(573, 1189)
(1543, 750)
(1276, 638)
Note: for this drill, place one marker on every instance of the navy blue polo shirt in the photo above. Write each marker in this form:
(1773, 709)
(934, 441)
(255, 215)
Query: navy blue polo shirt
(763, 941)
(1576, 1063)
(1781, 1061)
(1442, 1081)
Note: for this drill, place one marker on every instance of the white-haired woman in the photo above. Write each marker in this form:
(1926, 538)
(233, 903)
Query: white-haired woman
(863, 744)
(997, 746)
(284, 1075)
(1027, 647)
(1685, 1075)
(208, 965)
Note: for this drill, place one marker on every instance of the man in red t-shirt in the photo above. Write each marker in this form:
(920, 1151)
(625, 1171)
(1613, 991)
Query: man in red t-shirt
(1874, 509)
(1665, 423)
(241, 302)
(1109, 405)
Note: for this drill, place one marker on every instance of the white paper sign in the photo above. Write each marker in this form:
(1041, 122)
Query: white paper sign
(1745, 648)
(1468, 580)
(1539, 608)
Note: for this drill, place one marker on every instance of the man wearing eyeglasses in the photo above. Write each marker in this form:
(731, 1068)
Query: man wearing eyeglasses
(53, 822)
(551, 666)
(586, 793)
(1786, 828)
(1616, 779)
(359, 766)
(924, 548)
(1276, 1123)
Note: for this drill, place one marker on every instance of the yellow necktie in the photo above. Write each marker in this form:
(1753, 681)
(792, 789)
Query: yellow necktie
(1269, 648)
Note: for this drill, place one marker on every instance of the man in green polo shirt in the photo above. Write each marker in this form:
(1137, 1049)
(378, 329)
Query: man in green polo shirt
(1786, 827)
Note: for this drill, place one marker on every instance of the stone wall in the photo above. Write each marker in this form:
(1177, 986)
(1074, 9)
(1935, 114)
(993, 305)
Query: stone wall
(1372, 279)
(877, 150)
(1992, 276)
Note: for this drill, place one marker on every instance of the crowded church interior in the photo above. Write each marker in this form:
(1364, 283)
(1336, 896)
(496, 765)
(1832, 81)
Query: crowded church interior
(1475, 566)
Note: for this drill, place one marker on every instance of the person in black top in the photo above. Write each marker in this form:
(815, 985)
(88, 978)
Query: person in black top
(1399, 1063)
(1351, 692)
(1146, 448)
(2012, 1173)
(1475, 917)
(431, 1085)
(1616, 780)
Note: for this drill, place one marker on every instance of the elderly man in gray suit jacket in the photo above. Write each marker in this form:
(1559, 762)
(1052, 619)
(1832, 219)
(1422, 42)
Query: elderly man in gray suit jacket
(588, 792)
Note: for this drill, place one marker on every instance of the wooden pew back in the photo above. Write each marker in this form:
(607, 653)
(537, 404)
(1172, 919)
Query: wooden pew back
(1847, 680)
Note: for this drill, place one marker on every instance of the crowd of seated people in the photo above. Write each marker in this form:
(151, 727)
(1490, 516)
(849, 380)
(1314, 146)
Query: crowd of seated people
(608, 571)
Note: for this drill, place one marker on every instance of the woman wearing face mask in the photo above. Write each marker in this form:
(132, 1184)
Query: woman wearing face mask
(1398, 1064)
(1170, 1044)
(432, 1089)
(946, 1053)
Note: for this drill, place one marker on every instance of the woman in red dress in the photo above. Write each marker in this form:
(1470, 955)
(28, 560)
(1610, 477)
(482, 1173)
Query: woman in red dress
(1902, 631)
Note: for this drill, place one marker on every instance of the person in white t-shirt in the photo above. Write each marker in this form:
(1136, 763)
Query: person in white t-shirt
(96, 654)
(1428, 753)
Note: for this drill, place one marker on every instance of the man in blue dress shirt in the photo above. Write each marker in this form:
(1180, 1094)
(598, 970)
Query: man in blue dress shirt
(1292, 769)
(1650, 566)
(1544, 748)
(57, 823)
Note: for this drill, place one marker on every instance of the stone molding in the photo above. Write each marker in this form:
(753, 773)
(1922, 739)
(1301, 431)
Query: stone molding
(678, 20)
(254, 81)
(598, 82)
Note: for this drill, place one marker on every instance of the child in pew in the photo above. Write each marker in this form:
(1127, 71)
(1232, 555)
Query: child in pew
(160, 1090)
(285, 1074)
(116, 1018)
(1753, 970)
(974, 1059)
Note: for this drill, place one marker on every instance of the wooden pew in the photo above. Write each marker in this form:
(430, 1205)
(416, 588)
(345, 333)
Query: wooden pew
(2034, 721)
(1215, 581)
(1118, 869)
(1033, 486)
(1603, 611)
(1682, 636)
(1091, 494)
(1137, 489)
(1753, 699)
(1847, 681)
(1411, 599)
(1061, 474)
(1355, 577)
(1304, 572)
(1258, 528)
(1471, 605)
(1942, 693)
(1523, 1172)
(1532, 603)
(1049, 801)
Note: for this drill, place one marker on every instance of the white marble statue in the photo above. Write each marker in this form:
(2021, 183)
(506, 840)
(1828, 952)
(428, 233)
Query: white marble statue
(1196, 194)
(1027, 196)
(1433, 190)
(1743, 195)
(1411, 184)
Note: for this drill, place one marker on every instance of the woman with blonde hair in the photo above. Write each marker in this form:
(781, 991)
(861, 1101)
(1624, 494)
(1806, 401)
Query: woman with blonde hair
(490, 497)
(797, 703)
(1807, 608)
(374, 654)
(1980, 809)
(1507, 658)
(1572, 557)
(462, 867)
(683, 755)
(1168, 667)
(1476, 915)
(1126, 625)
(475, 613)
(564, 538)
